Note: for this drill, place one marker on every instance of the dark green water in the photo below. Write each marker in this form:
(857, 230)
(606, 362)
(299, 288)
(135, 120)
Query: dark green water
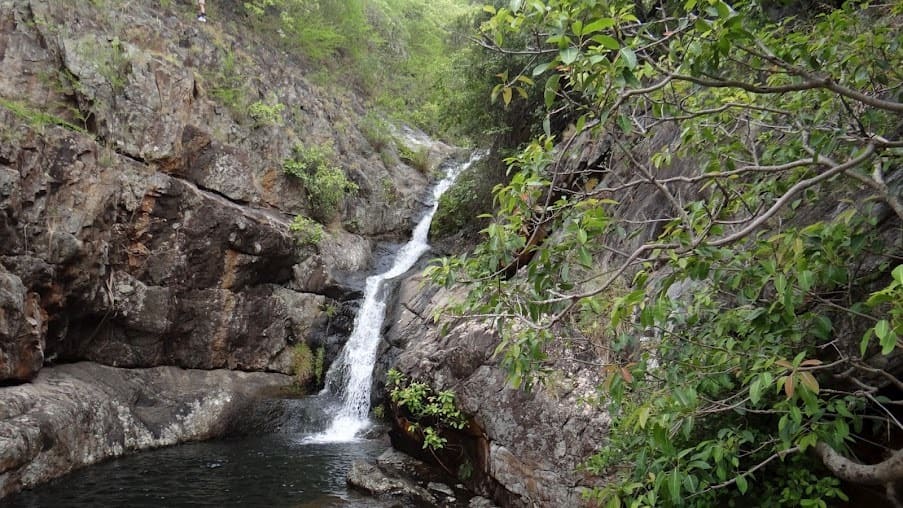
(270, 470)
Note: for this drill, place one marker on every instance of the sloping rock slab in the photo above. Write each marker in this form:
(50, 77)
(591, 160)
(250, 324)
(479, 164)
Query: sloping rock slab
(395, 475)
(78, 414)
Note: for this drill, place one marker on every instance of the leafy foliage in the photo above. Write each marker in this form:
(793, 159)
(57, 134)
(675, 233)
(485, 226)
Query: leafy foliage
(266, 113)
(302, 363)
(307, 231)
(325, 183)
(395, 51)
(470, 197)
(417, 158)
(428, 412)
(37, 118)
(737, 347)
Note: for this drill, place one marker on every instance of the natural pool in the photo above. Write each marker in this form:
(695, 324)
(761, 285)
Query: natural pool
(272, 469)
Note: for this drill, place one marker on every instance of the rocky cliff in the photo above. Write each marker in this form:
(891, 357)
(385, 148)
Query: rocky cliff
(145, 215)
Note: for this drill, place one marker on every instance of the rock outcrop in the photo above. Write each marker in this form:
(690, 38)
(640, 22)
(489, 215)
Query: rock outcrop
(521, 448)
(394, 475)
(78, 414)
(144, 220)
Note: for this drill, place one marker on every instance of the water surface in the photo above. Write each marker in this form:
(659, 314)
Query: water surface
(271, 470)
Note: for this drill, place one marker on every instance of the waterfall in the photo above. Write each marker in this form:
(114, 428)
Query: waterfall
(351, 375)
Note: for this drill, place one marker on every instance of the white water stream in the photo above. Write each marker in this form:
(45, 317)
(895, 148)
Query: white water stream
(351, 375)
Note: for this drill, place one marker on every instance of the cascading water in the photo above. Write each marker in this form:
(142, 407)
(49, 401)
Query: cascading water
(351, 375)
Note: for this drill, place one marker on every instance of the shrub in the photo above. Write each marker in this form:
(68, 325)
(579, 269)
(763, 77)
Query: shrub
(266, 113)
(227, 85)
(307, 231)
(376, 131)
(325, 183)
(470, 196)
(302, 363)
(418, 158)
(319, 362)
(430, 411)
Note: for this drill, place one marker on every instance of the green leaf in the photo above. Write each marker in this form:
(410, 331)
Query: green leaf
(886, 337)
(495, 92)
(742, 485)
(755, 390)
(898, 274)
(674, 487)
(643, 416)
(599, 25)
(864, 343)
(568, 55)
(543, 67)
(806, 278)
(577, 28)
(607, 41)
(625, 124)
(629, 57)
(551, 89)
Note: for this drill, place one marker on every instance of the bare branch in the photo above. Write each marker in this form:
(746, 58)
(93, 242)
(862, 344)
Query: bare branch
(875, 474)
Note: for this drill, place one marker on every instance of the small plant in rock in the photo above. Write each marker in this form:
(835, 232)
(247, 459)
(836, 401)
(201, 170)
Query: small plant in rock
(465, 471)
(418, 159)
(227, 84)
(325, 183)
(319, 364)
(302, 363)
(266, 113)
(390, 191)
(428, 411)
(36, 118)
(307, 231)
(376, 130)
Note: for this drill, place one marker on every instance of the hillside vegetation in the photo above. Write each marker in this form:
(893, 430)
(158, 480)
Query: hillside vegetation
(711, 213)
(397, 52)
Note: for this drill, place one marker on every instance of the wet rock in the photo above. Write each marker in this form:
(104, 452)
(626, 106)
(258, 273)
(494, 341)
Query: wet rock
(372, 480)
(481, 502)
(440, 488)
(74, 415)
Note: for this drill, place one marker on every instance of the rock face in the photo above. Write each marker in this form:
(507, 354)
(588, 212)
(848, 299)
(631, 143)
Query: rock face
(77, 414)
(524, 448)
(142, 221)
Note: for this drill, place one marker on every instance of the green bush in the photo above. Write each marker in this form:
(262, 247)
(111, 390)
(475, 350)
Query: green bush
(307, 231)
(470, 196)
(428, 410)
(227, 85)
(302, 363)
(325, 183)
(266, 113)
(418, 158)
(376, 131)
(319, 362)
